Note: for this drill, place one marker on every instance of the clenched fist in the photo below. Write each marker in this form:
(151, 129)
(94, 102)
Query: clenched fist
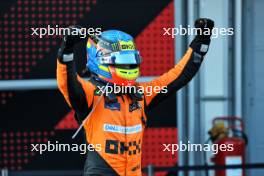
(201, 42)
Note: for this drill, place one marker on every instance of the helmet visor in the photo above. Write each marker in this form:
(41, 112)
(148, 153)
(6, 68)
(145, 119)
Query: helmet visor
(120, 58)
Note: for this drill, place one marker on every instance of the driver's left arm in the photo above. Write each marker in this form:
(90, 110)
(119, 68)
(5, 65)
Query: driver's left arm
(182, 73)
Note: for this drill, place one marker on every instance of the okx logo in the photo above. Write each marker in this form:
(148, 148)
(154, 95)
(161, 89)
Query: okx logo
(117, 147)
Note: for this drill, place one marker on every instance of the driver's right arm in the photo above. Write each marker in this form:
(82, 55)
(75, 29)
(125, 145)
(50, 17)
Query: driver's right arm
(77, 92)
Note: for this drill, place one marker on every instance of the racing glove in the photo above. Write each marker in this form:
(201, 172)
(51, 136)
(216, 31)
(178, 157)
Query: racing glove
(65, 52)
(201, 42)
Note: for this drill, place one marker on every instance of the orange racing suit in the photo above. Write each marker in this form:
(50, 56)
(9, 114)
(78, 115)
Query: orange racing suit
(119, 132)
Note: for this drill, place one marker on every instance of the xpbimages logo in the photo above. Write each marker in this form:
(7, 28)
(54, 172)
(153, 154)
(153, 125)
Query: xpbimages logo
(216, 32)
(56, 30)
(60, 147)
(214, 148)
(116, 89)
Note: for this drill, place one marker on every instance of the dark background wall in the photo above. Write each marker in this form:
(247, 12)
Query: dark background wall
(40, 115)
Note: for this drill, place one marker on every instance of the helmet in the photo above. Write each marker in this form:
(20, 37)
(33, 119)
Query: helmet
(112, 57)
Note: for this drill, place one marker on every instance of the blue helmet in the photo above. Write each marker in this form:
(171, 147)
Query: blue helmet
(112, 57)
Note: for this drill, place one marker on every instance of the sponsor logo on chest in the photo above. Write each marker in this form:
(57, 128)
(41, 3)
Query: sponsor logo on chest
(122, 129)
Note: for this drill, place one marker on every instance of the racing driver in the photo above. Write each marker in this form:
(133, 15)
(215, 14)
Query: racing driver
(117, 120)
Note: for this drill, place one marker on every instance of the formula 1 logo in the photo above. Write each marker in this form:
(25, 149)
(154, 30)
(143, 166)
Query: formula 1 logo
(117, 147)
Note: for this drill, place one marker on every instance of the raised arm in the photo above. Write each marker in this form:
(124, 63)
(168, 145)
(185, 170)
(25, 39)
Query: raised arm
(185, 70)
(75, 90)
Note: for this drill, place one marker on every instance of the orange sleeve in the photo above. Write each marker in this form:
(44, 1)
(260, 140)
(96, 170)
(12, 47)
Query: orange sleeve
(68, 83)
(62, 81)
